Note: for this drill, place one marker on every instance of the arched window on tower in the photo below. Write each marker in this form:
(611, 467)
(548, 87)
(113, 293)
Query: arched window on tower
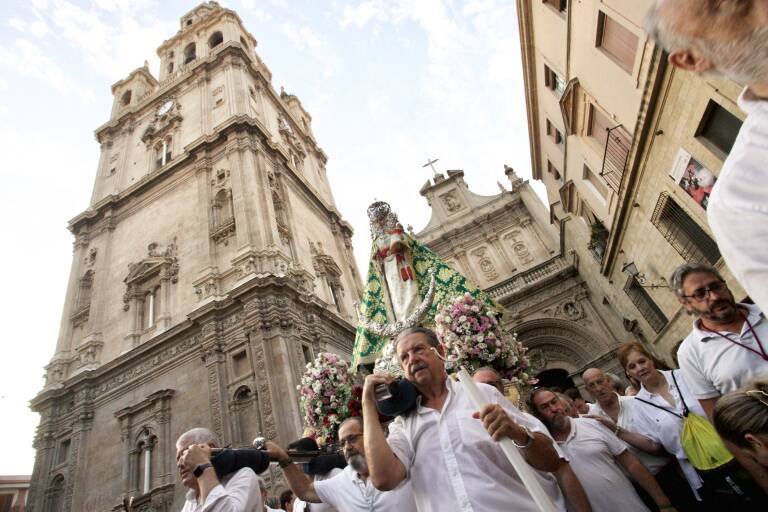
(84, 291)
(170, 62)
(54, 501)
(246, 409)
(125, 99)
(163, 152)
(143, 461)
(190, 53)
(222, 208)
(151, 307)
(215, 40)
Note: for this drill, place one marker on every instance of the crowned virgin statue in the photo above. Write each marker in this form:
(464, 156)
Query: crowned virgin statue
(406, 282)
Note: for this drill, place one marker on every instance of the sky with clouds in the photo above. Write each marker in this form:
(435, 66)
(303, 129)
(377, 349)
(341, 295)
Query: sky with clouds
(388, 84)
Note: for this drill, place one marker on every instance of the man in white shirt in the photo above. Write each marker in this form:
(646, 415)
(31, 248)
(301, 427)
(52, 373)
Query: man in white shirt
(597, 457)
(728, 346)
(729, 38)
(236, 492)
(446, 448)
(351, 490)
(615, 413)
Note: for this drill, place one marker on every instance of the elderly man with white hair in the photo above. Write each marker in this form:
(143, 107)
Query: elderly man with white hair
(730, 37)
(236, 492)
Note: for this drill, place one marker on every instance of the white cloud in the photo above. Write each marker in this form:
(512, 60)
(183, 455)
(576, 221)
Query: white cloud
(18, 24)
(360, 15)
(315, 45)
(27, 59)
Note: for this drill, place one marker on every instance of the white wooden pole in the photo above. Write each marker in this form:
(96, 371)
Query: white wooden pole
(510, 450)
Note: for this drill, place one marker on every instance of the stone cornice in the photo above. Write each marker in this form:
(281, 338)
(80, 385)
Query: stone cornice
(527, 52)
(185, 340)
(496, 214)
(138, 71)
(198, 150)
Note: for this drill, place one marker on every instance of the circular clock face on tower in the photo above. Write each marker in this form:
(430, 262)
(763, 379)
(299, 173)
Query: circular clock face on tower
(165, 107)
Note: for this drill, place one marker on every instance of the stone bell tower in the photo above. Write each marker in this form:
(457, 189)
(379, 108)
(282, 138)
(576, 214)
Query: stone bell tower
(210, 266)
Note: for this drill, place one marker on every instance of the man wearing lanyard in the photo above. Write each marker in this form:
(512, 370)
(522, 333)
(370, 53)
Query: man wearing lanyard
(728, 346)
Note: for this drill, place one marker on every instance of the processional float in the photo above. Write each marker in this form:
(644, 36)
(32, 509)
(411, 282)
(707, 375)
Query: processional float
(409, 285)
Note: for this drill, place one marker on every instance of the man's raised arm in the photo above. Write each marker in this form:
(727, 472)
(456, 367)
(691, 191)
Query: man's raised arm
(385, 469)
(301, 485)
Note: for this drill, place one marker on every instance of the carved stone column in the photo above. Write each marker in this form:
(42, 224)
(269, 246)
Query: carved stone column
(216, 369)
(44, 445)
(80, 433)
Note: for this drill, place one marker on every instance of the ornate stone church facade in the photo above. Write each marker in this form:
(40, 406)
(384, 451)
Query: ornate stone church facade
(507, 245)
(210, 266)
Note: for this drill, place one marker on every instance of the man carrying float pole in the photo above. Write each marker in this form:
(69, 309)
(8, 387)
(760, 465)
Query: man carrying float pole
(453, 459)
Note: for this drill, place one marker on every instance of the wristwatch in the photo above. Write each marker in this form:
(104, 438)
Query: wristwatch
(198, 471)
(284, 463)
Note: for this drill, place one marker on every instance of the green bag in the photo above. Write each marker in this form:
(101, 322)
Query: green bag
(701, 442)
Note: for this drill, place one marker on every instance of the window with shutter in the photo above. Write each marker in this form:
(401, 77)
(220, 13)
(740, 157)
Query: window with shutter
(645, 305)
(683, 233)
(599, 124)
(618, 43)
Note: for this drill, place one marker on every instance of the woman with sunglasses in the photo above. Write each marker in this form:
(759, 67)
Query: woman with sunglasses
(741, 418)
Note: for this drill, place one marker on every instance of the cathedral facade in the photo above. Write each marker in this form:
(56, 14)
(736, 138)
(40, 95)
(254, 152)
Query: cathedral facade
(508, 246)
(211, 265)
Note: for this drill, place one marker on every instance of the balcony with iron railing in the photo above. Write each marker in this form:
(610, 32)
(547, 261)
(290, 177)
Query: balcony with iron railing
(615, 157)
(534, 277)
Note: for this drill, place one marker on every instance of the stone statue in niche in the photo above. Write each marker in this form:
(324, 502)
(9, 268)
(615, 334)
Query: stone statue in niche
(451, 202)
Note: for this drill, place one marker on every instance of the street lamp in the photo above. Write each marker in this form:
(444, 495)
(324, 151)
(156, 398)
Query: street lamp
(631, 270)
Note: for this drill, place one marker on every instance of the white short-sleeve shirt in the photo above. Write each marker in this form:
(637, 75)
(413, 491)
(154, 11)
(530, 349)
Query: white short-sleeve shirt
(347, 492)
(235, 492)
(738, 211)
(654, 463)
(664, 427)
(454, 464)
(592, 449)
(714, 366)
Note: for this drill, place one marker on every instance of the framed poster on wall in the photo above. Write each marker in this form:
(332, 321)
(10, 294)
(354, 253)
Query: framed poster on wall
(693, 177)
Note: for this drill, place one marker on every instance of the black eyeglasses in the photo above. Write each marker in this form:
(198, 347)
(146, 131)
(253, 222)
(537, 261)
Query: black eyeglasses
(703, 293)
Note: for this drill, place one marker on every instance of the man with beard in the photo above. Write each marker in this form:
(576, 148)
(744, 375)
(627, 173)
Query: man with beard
(728, 346)
(351, 490)
(597, 457)
(730, 37)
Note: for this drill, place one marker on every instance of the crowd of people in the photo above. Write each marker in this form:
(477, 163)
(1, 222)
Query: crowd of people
(688, 438)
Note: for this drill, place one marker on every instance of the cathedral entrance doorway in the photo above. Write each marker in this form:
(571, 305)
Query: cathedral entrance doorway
(559, 349)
